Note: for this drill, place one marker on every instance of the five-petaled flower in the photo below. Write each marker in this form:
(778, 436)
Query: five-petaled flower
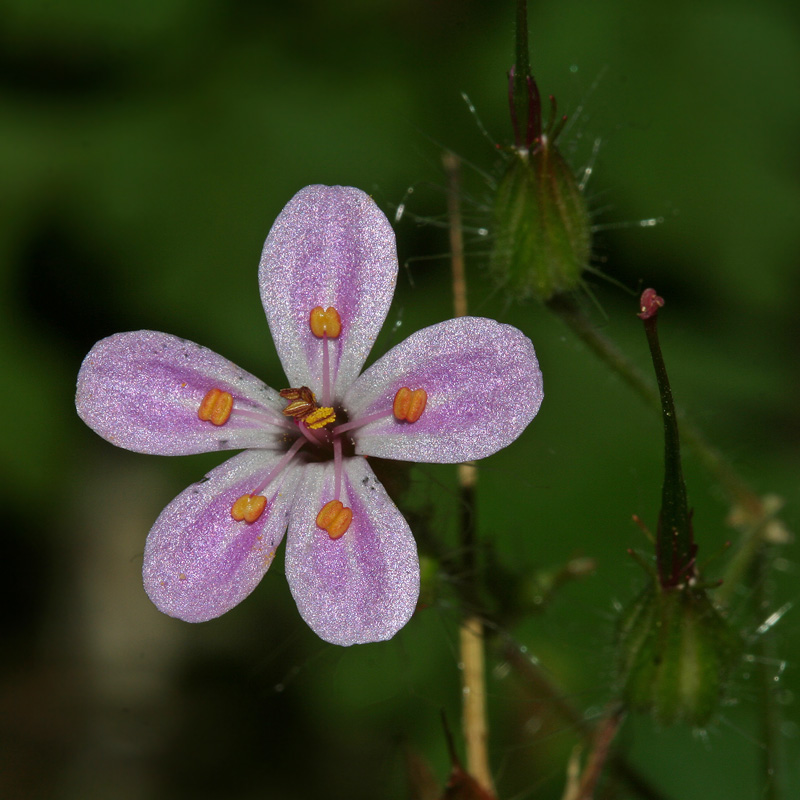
(456, 391)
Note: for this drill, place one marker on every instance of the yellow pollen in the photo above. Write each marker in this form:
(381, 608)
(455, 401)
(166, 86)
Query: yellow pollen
(249, 507)
(408, 405)
(320, 418)
(216, 407)
(334, 518)
(325, 322)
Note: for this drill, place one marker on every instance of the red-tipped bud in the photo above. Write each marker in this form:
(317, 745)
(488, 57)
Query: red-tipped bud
(649, 304)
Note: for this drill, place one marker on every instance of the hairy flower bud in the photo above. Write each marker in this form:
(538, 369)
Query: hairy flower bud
(675, 655)
(541, 226)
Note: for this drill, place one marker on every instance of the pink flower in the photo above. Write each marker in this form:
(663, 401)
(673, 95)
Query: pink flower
(456, 391)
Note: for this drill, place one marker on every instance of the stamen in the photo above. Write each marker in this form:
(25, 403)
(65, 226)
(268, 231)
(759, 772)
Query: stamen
(334, 518)
(409, 405)
(320, 418)
(337, 466)
(262, 416)
(326, 372)
(360, 421)
(325, 322)
(216, 407)
(301, 402)
(249, 507)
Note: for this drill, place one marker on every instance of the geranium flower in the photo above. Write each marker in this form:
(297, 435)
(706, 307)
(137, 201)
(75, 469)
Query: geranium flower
(453, 392)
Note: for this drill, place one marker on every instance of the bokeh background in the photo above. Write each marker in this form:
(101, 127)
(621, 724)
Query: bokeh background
(145, 150)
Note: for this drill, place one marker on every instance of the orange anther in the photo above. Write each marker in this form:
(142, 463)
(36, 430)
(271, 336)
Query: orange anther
(216, 407)
(325, 322)
(320, 418)
(249, 507)
(409, 405)
(334, 518)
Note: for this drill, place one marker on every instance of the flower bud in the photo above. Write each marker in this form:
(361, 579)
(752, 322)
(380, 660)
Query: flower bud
(675, 654)
(541, 226)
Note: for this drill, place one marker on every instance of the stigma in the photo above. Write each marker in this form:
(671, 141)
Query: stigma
(408, 406)
(249, 507)
(325, 322)
(334, 518)
(216, 407)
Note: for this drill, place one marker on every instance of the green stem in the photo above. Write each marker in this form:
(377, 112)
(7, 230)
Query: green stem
(522, 65)
(525, 104)
(675, 549)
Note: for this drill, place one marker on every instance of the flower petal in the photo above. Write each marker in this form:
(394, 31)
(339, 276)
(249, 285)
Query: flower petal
(198, 561)
(142, 391)
(362, 587)
(330, 246)
(483, 384)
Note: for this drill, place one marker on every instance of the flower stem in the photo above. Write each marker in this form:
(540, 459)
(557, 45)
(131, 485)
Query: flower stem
(583, 787)
(471, 634)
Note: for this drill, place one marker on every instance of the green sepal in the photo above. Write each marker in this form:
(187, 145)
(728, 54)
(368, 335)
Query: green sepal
(541, 227)
(675, 655)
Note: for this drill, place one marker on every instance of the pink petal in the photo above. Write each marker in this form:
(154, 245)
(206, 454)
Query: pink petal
(142, 391)
(362, 587)
(198, 561)
(330, 246)
(483, 383)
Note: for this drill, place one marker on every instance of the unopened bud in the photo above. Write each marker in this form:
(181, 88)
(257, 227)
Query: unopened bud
(541, 226)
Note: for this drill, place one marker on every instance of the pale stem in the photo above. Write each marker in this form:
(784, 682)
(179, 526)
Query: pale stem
(473, 701)
(582, 787)
(471, 634)
(452, 167)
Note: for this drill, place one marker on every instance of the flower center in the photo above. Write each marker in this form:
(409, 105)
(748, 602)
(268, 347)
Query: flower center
(314, 422)
(303, 408)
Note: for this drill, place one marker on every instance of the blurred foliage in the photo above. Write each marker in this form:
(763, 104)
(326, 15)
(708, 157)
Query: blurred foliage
(145, 150)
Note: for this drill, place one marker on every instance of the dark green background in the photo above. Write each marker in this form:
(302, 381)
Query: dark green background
(145, 150)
